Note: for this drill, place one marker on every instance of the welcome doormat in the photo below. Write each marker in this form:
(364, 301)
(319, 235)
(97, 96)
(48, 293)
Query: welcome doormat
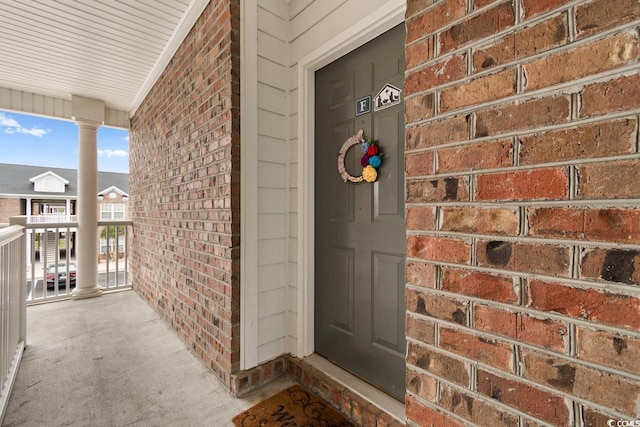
(292, 407)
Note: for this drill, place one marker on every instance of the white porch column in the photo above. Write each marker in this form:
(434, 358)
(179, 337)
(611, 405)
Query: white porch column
(28, 213)
(89, 116)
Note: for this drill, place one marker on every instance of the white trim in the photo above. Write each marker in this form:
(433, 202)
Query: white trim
(49, 173)
(37, 196)
(249, 184)
(369, 27)
(114, 189)
(188, 20)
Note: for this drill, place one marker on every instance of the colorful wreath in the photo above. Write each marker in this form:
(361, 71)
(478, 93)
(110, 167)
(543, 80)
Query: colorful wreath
(370, 161)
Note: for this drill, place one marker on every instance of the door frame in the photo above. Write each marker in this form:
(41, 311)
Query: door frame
(369, 27)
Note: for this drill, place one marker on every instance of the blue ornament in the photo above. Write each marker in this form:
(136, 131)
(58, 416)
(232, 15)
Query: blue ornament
(375, 161)
(365, 147)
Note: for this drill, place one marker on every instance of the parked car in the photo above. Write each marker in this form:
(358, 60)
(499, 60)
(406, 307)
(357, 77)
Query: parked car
(62, 275)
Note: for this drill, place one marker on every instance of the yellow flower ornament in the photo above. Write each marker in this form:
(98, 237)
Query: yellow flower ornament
(369, 174)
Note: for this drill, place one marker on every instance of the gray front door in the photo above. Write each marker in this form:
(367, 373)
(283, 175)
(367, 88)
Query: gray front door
(359, 227)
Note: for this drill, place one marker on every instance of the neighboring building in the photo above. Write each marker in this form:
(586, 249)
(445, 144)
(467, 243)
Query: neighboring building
(39, 191)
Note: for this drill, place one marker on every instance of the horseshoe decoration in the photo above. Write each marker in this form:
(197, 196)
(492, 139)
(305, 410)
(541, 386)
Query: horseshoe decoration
(354, 140)
(370, 161)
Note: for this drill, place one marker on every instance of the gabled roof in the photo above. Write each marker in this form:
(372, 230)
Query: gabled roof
(113, 189)
(49, 173)
(16, 180)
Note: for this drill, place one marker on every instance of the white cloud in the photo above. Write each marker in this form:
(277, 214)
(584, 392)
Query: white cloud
(34, 132)
(7, 121)
(11, 126)
(126, 138)
(112, 153)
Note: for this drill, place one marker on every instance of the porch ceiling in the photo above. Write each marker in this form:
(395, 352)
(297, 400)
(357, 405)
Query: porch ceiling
(111, 50)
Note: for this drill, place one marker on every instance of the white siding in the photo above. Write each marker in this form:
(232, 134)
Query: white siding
(31, 103)
(273, 116)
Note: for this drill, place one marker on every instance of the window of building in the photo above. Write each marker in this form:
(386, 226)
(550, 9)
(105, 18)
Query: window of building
(112, 244)
(111, 211)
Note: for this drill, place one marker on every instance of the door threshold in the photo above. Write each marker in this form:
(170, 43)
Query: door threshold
(383, 401)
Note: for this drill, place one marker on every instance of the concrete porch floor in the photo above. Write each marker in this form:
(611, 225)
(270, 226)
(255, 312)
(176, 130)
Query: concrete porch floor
(111, 361)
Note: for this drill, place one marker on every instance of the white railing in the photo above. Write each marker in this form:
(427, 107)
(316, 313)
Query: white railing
(13, 326)
(50, 257)
(38, 219)
(115, 233)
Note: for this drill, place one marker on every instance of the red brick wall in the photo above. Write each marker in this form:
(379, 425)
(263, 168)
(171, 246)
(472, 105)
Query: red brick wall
(522, 171)
(184, 185)
(9, 208)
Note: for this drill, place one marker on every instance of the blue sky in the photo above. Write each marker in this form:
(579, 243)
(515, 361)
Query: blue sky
(40, 141)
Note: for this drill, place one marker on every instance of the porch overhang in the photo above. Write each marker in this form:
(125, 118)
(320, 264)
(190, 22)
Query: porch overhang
(112, 52)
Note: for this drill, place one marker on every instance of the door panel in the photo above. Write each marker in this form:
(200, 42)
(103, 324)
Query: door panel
(359, 227)
(388, 283)
(342, 90)
(342, 289)
(389, 190)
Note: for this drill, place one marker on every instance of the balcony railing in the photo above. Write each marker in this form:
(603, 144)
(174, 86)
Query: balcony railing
(47, 218)
(51, 255)
(12, 308)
